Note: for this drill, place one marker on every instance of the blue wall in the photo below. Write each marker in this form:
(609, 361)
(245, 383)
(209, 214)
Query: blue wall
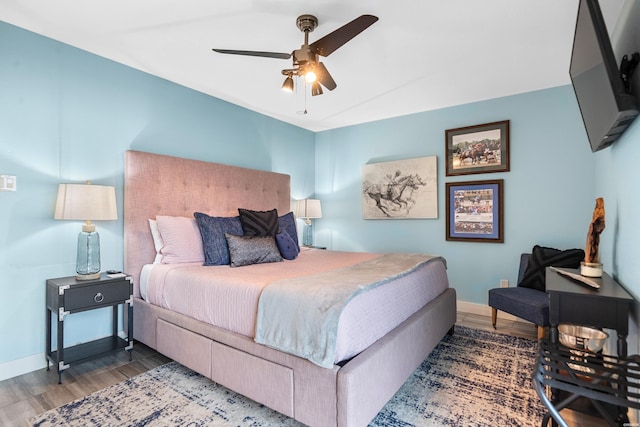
(617, 178)
(69, 116)
(548, 194)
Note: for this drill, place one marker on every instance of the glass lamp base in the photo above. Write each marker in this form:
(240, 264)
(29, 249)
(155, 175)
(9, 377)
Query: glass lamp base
(88, 276)
(88, 259)
(307, 236)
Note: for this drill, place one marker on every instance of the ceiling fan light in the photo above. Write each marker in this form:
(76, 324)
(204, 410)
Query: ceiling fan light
(310, 76)
(316, 89)
(287, 86)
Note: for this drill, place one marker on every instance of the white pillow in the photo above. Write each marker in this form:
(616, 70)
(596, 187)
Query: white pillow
(182, 239)
(157, 240)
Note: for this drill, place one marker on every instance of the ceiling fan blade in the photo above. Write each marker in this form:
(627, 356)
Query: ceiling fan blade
(276, 55)
(332, 41)
(323, 76)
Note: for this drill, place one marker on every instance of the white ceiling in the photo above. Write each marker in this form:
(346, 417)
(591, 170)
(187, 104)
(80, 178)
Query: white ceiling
(421, 54)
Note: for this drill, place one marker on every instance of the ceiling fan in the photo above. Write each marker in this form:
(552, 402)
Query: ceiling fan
(305, 59)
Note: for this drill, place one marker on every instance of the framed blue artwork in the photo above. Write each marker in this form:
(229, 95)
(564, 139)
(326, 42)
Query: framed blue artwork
(475, 211)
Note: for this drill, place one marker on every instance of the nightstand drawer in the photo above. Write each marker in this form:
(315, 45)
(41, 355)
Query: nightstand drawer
(96, 295)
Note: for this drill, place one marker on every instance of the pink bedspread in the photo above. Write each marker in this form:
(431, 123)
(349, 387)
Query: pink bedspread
(228, 297)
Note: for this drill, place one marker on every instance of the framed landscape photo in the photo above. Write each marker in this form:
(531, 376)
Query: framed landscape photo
(475, 211)
(477, 149)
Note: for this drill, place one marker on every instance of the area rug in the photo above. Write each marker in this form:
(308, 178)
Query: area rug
(472, 378)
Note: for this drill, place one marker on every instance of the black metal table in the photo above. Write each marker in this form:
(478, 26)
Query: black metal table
(66, 296)
(574, 302)
(599, 378)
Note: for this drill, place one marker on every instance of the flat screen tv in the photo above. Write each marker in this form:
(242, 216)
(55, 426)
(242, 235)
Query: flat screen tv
(607, 108)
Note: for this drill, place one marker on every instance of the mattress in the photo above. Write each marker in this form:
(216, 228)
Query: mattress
(228, 297)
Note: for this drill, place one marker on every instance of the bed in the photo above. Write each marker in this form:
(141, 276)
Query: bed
(364, 372)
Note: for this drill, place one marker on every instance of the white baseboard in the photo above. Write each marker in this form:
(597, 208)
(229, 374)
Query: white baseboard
(484, 310)
(28, 364)
(25, 365)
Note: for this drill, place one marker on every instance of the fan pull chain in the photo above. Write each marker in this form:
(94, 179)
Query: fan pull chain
(305, 96)
(304, 90)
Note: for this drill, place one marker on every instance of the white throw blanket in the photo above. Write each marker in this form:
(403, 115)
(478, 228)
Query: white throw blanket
(300, 316)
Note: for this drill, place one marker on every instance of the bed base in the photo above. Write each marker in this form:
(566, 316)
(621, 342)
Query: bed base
(349, 395)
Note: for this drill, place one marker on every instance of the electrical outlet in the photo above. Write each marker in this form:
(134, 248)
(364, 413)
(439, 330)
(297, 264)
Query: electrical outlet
(7, 183)
(504, 283)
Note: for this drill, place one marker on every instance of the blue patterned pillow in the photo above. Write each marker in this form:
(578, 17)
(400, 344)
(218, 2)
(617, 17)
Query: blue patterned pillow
(287, 222)
(259, 223)
(287, 247)
(245, 250)
(212, 229)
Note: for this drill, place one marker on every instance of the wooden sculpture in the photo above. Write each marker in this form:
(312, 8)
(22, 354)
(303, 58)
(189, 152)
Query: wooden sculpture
(593, 236)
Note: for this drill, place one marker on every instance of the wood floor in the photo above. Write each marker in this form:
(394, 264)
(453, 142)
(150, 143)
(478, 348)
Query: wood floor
(31, 394)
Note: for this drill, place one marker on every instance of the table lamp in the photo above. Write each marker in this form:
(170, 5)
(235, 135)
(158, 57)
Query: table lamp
(87, 202)
(308, 209)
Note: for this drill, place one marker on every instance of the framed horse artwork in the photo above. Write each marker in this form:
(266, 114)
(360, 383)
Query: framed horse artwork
(401, 189)
(477, 149)
(475, 211)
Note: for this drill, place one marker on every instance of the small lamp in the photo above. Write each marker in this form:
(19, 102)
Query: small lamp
(308, 209)
(87, 202)
(287, 86)
(316, 89)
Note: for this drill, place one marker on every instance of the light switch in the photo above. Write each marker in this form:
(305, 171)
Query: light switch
(8, 183)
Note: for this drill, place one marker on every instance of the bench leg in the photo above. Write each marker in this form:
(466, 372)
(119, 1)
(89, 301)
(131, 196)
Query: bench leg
(541, 332)
(494, 317)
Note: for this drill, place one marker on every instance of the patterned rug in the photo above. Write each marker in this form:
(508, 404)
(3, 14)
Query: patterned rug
(473, 378)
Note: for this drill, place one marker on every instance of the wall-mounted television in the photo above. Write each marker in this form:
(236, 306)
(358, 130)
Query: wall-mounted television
(606, 105)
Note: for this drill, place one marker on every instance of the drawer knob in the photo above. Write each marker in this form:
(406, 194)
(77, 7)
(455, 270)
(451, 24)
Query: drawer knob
(98, 297)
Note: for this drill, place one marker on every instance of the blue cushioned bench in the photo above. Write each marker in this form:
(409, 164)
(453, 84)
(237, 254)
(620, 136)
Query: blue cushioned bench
(525, 303)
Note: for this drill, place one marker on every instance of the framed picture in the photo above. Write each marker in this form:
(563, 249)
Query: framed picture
(475, 211)
(477, 149)
(402, 189)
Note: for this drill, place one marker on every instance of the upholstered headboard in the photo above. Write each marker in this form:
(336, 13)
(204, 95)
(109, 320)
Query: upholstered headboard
(156, 184)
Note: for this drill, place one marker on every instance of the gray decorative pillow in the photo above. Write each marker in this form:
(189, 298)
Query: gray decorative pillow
(245, 250)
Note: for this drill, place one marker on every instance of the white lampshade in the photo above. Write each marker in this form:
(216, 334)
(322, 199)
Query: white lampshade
(309, 208)
(86, 202)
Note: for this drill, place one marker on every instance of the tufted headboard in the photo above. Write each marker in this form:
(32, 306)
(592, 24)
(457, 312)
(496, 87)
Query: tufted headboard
(156, 184)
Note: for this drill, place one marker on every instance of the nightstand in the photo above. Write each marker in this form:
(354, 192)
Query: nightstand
(66, 295)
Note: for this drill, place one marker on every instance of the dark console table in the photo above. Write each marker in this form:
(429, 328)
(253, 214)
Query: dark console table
(574, 302)
(571, 301)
